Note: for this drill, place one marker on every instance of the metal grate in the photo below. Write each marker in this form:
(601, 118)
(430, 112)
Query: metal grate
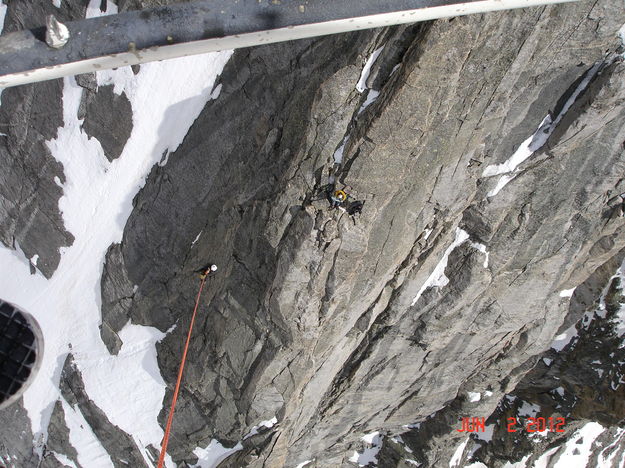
(19, 343)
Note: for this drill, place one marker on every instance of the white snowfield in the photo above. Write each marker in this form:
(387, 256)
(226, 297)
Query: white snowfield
(369, 454)
(166, 98)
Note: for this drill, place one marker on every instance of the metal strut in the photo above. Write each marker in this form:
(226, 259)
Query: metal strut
(205, 26)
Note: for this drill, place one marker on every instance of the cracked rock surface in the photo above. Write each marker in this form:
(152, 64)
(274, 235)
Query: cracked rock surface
(340, 326)
(313, 316)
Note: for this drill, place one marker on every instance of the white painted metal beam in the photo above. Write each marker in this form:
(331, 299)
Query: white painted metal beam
(200, 27)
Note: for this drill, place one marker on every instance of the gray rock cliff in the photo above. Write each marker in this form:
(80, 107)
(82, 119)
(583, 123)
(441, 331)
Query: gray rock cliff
(340, 326)
(313, 317)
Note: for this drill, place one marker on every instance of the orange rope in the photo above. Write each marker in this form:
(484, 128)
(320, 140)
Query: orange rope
(161, 459)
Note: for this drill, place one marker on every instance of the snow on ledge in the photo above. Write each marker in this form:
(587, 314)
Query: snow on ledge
(372, 95)
(369, 454)
(438, 278)
(457, 456)
(567, 292)
(364, 75)
(67, 306)
(266, 424)
(303, 464)
(578, 448)
(509, 168)
(338, 154)
(197, 237)
(214, 454)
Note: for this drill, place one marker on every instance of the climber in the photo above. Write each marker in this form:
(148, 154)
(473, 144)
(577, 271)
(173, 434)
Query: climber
(337, 198)
(207, 270)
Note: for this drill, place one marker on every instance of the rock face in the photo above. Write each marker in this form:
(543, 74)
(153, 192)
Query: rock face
(448, 282)
(324, 321)
(104, 119)
(30, 180)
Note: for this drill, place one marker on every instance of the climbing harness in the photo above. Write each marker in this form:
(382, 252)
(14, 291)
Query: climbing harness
(170, 418)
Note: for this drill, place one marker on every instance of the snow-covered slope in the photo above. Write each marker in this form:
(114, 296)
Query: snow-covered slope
(166, 98)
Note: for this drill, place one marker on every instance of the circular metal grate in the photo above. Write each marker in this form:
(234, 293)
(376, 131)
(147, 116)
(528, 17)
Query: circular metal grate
(21, 346)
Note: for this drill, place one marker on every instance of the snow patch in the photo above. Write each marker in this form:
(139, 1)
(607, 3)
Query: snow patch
(338, 154)
(212, 455)
(619, 320)
(89, 449)
(521, 154)
(372, 95)
(567, 292)
(487, 434)
(509, 167)
(3, 13)
(56, 3)
(165, 103)
(547, 361)
(303, 464)
(364, 75)
(136, 362)
(481, 248)
(537, 140)
(369, 454)
(545, 458)
(93, 9)
(528, 410)
(563, 339)
(578, 448)
(63, 459)
(215, 453)
(216, 92)
(457, 456)
(520, 464)
(34, 259)
(607, 454)
(267, 424)
(196, 238)
(400, 441)
(412, 426)
(437, 278)
(474, 397)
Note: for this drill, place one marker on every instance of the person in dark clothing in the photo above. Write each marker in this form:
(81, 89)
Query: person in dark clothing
(206, 270)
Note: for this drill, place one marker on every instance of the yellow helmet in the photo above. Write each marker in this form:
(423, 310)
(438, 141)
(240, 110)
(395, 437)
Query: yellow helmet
(340, 195)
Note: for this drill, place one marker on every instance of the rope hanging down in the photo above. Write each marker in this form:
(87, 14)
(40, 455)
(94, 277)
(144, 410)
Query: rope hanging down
(161, 459)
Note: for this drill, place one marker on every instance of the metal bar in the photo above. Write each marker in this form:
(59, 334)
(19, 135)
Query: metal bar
(206, 26)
